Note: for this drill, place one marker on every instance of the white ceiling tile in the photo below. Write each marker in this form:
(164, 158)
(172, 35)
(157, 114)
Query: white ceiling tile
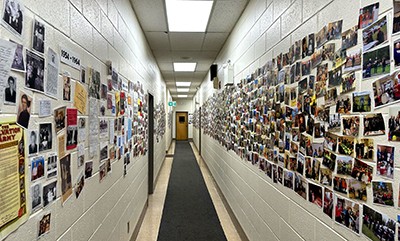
(225, 15)
(165, 66)
(186, 41)
(214, 41)
(162, 55)
(151, 14)
(158, 40)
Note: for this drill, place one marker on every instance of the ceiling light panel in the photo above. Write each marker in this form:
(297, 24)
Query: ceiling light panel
(182, 96)
(185, 67)
(188, 16)
(183, 84)
(182, 90)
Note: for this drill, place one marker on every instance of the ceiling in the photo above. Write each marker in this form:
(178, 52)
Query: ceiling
(202, 48)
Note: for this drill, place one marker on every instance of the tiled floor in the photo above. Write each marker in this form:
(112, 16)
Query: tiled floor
(151, 223)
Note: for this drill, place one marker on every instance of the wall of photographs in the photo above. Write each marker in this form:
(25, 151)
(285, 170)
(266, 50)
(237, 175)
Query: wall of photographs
(74, 81)
(305, 144)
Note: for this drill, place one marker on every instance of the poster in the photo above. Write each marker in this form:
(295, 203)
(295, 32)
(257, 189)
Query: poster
(80, 98)
(72, 128)
(13, 208)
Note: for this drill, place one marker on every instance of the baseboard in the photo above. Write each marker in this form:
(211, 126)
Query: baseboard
(140, 222)
(190, 140)
(232, 215)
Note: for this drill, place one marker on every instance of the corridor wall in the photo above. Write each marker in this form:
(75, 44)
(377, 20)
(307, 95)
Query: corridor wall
(100, 32)
(268, 210)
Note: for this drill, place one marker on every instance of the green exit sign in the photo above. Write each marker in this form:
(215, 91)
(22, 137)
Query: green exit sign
(172, 103)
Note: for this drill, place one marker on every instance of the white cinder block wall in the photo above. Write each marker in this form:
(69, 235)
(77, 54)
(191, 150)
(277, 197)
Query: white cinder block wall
(267, 211)
(98, 30)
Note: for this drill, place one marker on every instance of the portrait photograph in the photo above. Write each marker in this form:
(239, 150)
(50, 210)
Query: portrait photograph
(36, 196)
(37, 168)
(67, 87)
(18, 63)
(34, 71)
(59, 118)
(33, 142)
(13, 16)
(10, 92)
(24, 109)
(66, 181)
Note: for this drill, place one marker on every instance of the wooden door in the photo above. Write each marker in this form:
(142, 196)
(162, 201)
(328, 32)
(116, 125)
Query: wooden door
(181, 126)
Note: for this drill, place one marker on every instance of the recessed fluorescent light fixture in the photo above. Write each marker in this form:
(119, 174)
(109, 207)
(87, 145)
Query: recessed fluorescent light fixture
(184, 67)
(182, 96)
(188, 16)
(183, 84)
(182, 89)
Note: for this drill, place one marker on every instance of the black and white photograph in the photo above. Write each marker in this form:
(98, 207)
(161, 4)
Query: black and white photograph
(34, 71)
(396, 53)
(311, 44)
(67, 87)
(10, 92)
(13, 16)
(394, 124)
(36, 196)
(49, 193)
(18, 63)
(45, 137)
(88, 169)
(38, 36)
(51, 170)
(377, 226)
(33, 142)
(362, 101)
(52, 73)
(385, 161)
(81, 154)
(94, 83)
(374, 125)
(387, 90)
(375, 35)
(103, 150)
(396, 16)
(80, 183)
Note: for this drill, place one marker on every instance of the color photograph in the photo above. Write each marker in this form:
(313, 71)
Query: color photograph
(385, 161)
(387, 90)
(383, 193)
(377, 226)
(375, 35)
(347, 213)
(376, 62)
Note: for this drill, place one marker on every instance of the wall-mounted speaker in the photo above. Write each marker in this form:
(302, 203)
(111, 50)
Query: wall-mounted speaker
(213, 71)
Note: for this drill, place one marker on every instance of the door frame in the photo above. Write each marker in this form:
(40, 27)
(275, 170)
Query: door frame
(176, 122)
(200, 131)
(151, 144)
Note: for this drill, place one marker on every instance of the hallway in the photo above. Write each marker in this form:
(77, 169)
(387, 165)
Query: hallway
(186, 211)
